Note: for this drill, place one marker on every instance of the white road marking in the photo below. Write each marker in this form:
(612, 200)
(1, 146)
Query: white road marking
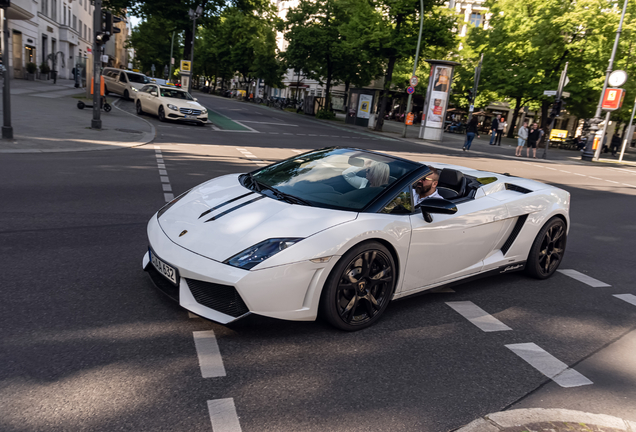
(165, 179)
(209, 355)
(567, 172)
(583, 278)
(163, 172)
(629, 298)
(548, 168)
(166, 187)
(162, 166)
(298, 151)
(595, 178)
(163, 175)
(223, 415)
(582, 175)
(157, 147)
(612, 181)
(549, 365)
(478, 316)
(168, 197)
(625, 184)
(273, 133)
(157, 151)
(191, 315)
(269, 123)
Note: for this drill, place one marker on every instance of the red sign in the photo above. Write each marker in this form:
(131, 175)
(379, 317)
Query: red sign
(613, 99)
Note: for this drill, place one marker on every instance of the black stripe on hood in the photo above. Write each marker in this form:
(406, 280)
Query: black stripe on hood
(235, 208)
(224, 204)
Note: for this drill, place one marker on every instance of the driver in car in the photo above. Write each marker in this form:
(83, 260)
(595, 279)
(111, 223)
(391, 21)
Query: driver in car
(426, 187)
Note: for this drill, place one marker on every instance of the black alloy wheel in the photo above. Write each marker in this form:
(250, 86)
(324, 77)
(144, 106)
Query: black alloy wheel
(140, 110)
(359, 287)
(547, 250)
(126, 95)
(161, 114)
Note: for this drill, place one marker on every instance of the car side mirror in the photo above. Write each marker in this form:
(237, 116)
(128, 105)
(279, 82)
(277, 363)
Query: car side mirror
(436, 205)
(196, 100)
(153, 93)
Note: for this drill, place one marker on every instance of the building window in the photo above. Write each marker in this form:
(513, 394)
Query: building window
(54, 10)
(85, 32)
(64, 17)
(74, 23)
(475, 19)
(45, 7)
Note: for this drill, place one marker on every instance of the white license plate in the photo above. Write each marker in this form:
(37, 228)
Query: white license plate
(168, 271)
(190, 117)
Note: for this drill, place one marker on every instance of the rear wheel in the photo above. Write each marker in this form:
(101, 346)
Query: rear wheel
(547, 250)
(126, 95)
(359, 287)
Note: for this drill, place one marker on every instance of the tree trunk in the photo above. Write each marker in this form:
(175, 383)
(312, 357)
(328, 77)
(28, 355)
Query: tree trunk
(187, 43)
(379, 121)
(346, 101)
(515, 116)
(545, 105)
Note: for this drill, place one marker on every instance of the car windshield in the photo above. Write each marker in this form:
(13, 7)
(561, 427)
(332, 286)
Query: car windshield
(140, 79)
(175, 94)
(337, 178)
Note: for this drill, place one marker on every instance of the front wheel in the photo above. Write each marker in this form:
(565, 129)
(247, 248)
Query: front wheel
(140, 110)
(547, 250)
(359, 287)
(161, 114)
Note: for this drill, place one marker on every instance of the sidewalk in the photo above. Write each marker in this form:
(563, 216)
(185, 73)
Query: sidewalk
(480, 146)
(45, 118)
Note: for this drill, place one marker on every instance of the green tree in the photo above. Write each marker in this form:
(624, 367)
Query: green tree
(151, 40)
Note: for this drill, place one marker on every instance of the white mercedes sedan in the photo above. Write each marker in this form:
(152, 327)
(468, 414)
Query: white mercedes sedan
(169, 103)
(338, 232)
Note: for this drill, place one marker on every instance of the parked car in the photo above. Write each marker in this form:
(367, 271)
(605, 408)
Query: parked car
(169, 103)
(123, 82)
(337, 232)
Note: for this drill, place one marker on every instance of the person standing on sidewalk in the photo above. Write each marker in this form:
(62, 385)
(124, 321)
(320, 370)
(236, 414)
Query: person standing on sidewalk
(522, 137)
(494, 126)
(471, 131)
(501, 126)
(533, 136)
(615, 143)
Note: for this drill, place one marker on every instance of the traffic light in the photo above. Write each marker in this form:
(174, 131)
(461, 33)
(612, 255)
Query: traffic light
(107, 28)
(556, 108)
(471, 97)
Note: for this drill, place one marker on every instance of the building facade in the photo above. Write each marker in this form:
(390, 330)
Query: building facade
(54, 32)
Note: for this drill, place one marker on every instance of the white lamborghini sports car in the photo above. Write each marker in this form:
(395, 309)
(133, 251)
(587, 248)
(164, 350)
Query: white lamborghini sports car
(336, 232)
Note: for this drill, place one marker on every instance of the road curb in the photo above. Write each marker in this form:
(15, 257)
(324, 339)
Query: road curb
(146, 138)
(542, 419)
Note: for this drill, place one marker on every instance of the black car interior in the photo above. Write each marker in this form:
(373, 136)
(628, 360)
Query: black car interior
(455, 186)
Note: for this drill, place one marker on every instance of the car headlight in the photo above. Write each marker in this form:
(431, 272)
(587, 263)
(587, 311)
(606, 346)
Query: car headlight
(204, 111)
(134, 89)
(258, 253)
(173, 107)
(165, 208)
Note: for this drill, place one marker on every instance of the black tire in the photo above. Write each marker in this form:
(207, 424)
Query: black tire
(162, 114)
(81, 104)
(547, 250)
(140, 110)
(359, 288)
(107, 107)
(126, 95)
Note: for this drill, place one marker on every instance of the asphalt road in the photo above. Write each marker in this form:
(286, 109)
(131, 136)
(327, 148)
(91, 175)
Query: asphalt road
(89, 344)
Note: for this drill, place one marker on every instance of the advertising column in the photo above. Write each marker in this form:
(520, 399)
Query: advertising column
(436, 102)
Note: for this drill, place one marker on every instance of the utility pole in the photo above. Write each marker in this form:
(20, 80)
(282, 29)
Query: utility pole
(171, 59)
(471, 107)
(7, 129)
(417, 53)
(96, 122)
(589, 153)
(556, 108)
(194, 14)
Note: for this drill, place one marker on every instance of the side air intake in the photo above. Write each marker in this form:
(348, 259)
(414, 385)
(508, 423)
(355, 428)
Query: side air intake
(513, 187)
(513, 235)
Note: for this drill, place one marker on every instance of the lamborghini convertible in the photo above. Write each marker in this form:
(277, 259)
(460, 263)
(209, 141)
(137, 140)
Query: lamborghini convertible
(337, 232)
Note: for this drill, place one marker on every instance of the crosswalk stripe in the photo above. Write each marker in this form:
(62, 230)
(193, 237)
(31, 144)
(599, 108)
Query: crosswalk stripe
(209, 354)
(629, 298)
(549, 365)
(223, 415)
(583, 278)
(478, 316)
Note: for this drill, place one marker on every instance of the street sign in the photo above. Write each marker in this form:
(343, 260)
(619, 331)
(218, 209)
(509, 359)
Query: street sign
(410, 90)
(550, 92)
(414, 81)
(471, 108)
(130, 65)
(617, 78)
(185, 66)
(172, 60)
(104, 58)
(613, 99)
(565, 94)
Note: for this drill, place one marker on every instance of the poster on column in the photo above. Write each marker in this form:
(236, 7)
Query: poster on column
(439, 96)
(364, 106)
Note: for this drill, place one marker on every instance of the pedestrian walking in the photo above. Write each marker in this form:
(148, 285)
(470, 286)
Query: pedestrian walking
(471, 131)
(494, 126)
(522, 137)
(615, 143)
(501, 127)
(533, 137)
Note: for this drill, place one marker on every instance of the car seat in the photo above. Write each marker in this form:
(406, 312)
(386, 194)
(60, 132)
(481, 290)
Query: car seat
(451, 184)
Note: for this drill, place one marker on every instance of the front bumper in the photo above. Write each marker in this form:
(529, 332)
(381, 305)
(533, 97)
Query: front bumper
(224, 294)
(172, 115)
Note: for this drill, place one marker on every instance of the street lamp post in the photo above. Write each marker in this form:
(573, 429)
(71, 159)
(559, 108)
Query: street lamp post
(417, 53)
(7, 129)
(194, 14)
(589, 153)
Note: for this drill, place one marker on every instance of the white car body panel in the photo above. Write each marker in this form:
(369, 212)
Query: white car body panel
(288, 285)
(150, 104)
